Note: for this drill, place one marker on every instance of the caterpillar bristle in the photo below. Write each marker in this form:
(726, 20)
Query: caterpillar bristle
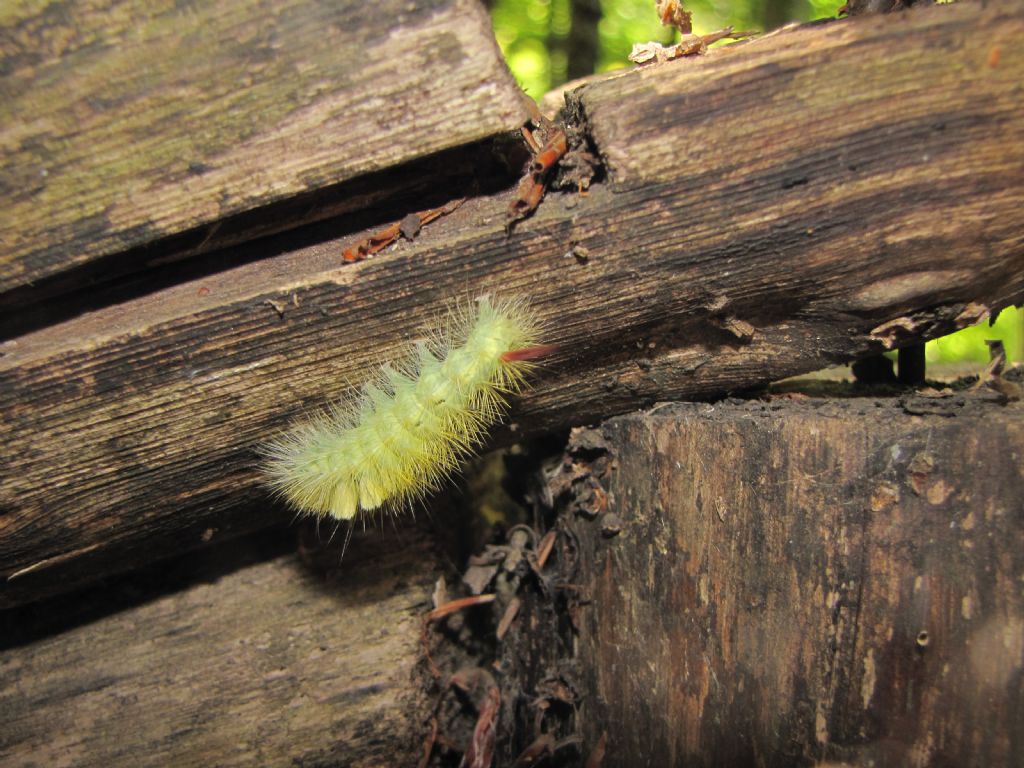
(414, 420)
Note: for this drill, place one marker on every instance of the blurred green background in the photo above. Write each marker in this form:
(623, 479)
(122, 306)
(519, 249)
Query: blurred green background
(549, 42)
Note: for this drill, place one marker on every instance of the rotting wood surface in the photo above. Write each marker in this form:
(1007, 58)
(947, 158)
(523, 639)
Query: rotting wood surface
(127, 121)
(804, 582)
(699, 268)
(273, 664)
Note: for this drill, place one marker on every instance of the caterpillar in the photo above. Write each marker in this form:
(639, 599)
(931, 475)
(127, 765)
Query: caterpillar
(414, 421)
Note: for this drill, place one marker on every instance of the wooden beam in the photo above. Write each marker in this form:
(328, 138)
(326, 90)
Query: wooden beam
(810, 581)
(126, 122)
(834, 232)
(270, 664)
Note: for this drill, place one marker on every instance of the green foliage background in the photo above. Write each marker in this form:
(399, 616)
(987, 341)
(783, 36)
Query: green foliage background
(529, 30)
(533, 35)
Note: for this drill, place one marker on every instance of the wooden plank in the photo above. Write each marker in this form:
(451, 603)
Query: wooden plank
(808, 582)
(125, 122)
(273, 664)
(131, 430)
(698, 116)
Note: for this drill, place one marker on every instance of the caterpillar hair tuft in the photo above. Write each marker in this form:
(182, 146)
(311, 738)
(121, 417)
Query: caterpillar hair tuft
(414, 421)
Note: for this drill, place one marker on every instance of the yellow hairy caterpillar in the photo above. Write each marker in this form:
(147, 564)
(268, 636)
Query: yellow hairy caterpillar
(414, 421)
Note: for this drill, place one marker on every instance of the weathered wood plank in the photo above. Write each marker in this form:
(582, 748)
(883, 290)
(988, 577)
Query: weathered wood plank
(707, 115)
(272, 664)
(130, 431)
(800, 583)
(124, 122)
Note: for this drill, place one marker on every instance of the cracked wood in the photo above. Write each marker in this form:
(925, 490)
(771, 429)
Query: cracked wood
(805, 582)
(710, 268)
(125, 122)
(274, 663)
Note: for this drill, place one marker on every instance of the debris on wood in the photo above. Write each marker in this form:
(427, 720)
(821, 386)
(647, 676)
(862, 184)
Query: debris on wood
(509, 616)
(409, 227)
(739, 328)
(440, 612)
(580, 166)
(938, 321)
(972, 313)
(580, 253)
(532, 186)
(277, 306)
(992, 376)
(545, 547)
(440, 594)
(891, 331)
(688, 45)
(673, 15)
(520, 688)
(457, 605)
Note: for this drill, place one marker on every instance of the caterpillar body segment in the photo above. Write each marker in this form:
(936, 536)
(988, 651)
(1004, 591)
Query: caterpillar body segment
(414, 421)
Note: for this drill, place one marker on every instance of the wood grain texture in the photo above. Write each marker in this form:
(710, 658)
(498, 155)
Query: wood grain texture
(125, 122)
(272, 664)
(807, 583)
(131, 430)
(707, 115)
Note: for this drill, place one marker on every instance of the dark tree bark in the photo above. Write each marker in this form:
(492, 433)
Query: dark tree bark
(807, 581)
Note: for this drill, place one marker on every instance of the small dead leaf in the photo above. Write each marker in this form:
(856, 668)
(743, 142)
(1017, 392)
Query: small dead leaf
(672, 14)
(645, 53)
(992, 377)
